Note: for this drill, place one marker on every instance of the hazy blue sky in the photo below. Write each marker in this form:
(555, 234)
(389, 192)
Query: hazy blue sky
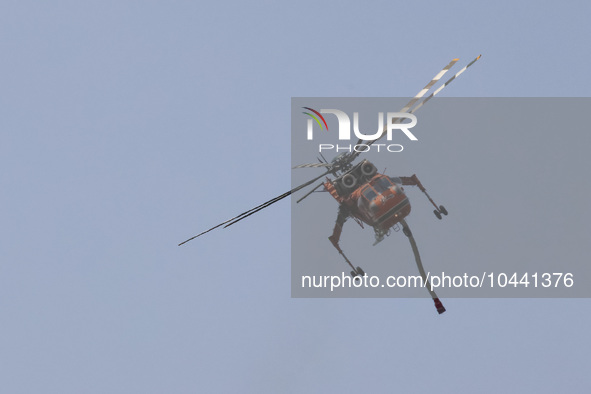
(128, 126)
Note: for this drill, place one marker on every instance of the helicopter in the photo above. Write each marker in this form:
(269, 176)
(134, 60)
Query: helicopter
(363, 194)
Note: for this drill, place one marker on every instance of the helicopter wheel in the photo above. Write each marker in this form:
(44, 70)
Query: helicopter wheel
(360, 271)
(406, 231)
(353, 274)
(443, 210)
(436, 212)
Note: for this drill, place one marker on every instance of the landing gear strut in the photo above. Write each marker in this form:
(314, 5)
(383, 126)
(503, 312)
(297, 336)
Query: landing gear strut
(413, 180)
(336, 235)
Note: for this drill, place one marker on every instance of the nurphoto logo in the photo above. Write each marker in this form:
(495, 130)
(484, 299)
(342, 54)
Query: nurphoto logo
(365, 141)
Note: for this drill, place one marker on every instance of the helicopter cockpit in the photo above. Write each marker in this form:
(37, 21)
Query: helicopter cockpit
(377, 187)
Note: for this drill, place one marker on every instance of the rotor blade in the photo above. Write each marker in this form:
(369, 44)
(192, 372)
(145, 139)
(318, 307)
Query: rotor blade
(429, 85)
(397, 120)
(310, 192)
(312, 165)
(415, 109)
(444, 85)
(273, 201)
(245, 214)
(424, 91)
(268, 203)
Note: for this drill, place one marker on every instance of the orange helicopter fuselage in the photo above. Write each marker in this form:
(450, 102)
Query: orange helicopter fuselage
(379, 202)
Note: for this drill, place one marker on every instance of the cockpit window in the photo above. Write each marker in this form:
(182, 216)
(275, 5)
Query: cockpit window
(382, 184)
(396, 180)
(369, 193)
(386, 182)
